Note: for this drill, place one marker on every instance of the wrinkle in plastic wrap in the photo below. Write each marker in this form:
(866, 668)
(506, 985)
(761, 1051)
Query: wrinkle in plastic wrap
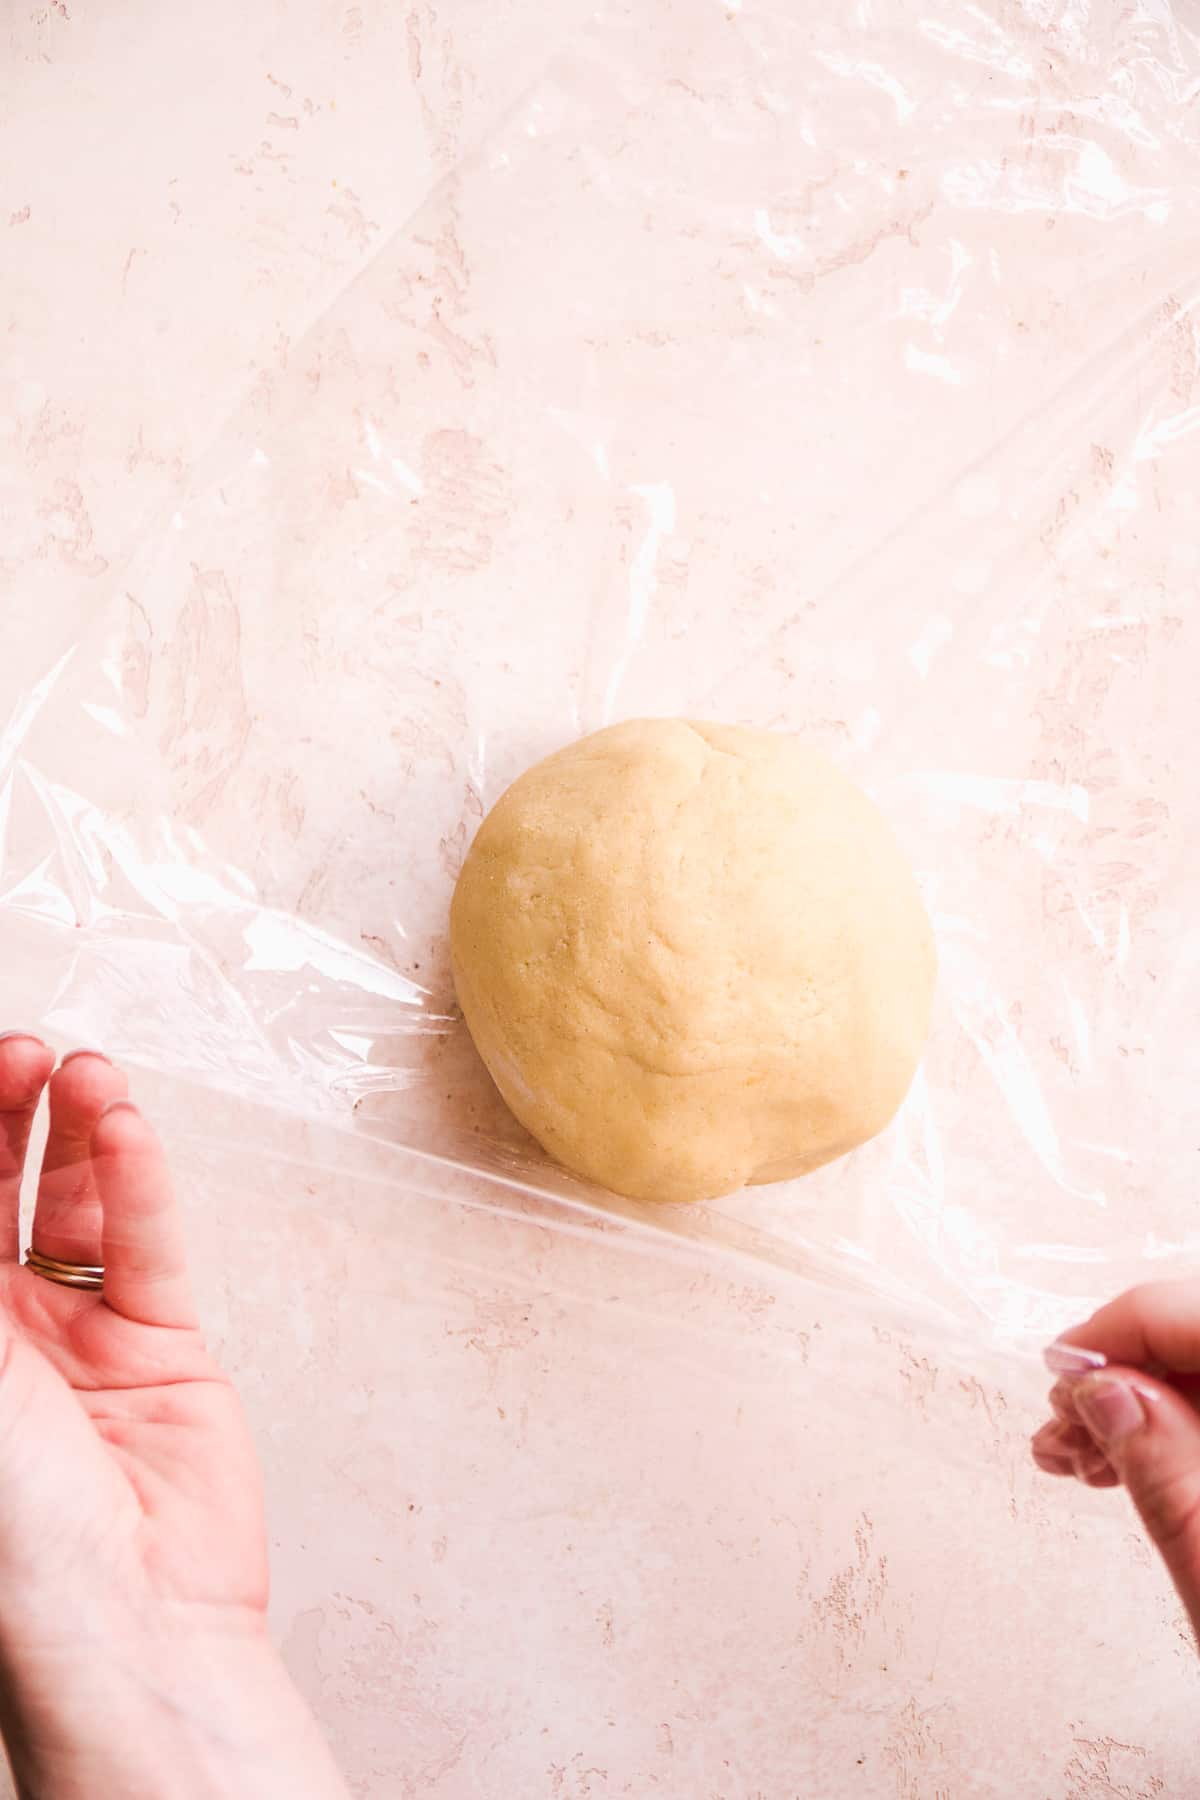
(897, 450)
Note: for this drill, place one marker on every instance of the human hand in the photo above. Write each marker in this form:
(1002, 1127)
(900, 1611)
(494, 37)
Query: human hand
(133, 1565)
(1135, 1420)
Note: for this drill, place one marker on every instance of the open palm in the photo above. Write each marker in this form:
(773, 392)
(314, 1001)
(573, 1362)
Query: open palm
(122, 1445)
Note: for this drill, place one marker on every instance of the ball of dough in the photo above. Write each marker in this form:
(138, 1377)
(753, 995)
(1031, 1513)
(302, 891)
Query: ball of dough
(692, 956)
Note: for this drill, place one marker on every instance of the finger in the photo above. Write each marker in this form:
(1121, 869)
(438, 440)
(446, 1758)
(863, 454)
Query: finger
(1060, 1466)
(1157, 1324)
(1150, 1435)
(1048, 1457)
(25, 1065)
(145, 1264)
(1074, 1440)
(1062, 1401)
(66, 1219)
(1060, 1448)
(1090, 1465)
(1065, 1440)
(1050, 1450)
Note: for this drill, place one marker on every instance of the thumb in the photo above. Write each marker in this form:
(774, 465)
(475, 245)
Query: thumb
(1151, 1435)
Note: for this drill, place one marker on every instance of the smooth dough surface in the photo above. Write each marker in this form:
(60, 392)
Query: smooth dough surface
(692, 956)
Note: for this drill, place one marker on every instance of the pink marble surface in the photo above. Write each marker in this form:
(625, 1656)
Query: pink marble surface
(384, 397)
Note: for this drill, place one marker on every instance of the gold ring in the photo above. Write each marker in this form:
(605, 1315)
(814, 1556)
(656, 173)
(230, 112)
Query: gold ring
(88, 1276)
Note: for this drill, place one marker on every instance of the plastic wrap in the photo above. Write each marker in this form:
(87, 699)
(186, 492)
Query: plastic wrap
(895, 450)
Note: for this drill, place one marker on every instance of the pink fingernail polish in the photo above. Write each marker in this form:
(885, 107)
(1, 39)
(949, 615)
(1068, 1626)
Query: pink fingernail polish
(1072, 1359)
(1111, 1410)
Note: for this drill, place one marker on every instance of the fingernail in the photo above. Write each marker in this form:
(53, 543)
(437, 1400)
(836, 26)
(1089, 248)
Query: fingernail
(1111, 1410)
(1072, 1359)
(1049, 1437)
(70, 1057)
(6, 1036)
(1051, 1462)
(118, 1106)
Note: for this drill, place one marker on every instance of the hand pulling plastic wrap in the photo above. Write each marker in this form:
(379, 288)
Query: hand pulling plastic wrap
(896, 450)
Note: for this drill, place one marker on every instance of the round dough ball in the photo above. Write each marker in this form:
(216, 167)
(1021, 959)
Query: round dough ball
(692, 956)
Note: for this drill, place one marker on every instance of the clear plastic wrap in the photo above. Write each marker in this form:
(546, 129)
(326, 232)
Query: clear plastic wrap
(896, 450)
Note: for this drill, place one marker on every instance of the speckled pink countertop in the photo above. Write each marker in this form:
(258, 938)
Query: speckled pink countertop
(386, 396)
